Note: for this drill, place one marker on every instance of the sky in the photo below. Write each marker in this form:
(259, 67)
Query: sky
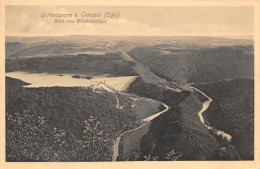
(135, 20)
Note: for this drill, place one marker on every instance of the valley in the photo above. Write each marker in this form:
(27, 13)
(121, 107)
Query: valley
(151, 95)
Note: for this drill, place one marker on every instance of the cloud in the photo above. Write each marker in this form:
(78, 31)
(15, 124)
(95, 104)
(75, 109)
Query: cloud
(42, 27)
(18, 24)
(27, 23)
(112, 27)
(53, 9)
(126, 27)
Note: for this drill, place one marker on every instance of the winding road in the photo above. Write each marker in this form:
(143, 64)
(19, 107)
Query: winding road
(147, 120)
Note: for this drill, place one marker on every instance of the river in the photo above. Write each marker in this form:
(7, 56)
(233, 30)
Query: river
(205, 106)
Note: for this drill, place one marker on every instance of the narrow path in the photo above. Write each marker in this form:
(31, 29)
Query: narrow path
(116, 144)
(147, 120)
(150, 118)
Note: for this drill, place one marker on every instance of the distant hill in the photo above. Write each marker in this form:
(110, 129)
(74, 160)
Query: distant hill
(27, 47)
(44, 46)
(175, 58)
(13, 47)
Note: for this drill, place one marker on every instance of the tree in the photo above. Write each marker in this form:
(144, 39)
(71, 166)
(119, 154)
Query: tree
(31, 138)
(95, 141)
(28, 138)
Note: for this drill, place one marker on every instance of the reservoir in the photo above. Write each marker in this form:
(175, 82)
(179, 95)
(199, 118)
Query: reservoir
(63, 78)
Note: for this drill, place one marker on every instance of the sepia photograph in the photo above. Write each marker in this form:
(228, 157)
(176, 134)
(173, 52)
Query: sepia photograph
(115, 83)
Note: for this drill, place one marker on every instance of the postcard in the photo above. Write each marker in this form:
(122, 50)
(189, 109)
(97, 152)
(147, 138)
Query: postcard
(147, 84)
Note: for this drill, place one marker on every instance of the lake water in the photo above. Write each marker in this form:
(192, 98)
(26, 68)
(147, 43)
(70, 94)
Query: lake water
(51, 79)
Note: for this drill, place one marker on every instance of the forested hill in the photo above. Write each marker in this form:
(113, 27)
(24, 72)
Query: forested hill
(66, 109)
(232, 111)
(198, 65)
(108, 63)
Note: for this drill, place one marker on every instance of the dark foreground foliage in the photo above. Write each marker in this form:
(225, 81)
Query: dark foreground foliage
(54, 124)
(31, 138)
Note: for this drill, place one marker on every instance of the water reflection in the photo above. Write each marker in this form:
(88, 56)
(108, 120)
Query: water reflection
(65, 79)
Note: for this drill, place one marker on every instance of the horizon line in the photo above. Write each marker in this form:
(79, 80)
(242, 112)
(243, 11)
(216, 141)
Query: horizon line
(215, 36)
